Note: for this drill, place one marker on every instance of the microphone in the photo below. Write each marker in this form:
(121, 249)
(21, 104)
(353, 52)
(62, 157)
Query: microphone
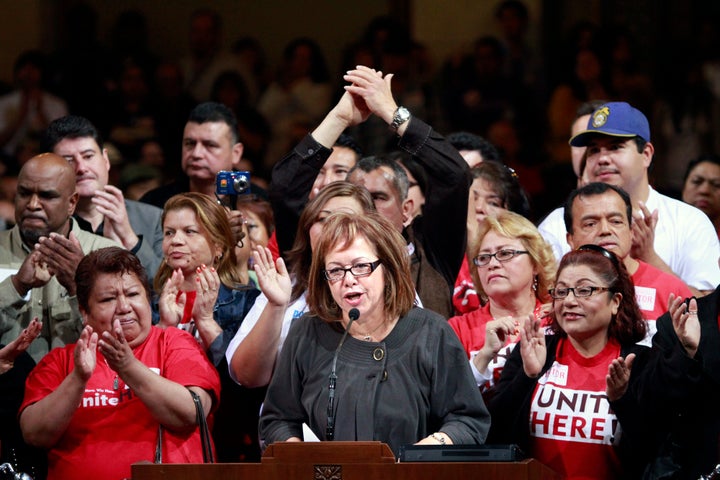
(353, 315)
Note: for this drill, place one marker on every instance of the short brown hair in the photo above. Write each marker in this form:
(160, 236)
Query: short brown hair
(102, 261)
(341, 229)
(214, 221)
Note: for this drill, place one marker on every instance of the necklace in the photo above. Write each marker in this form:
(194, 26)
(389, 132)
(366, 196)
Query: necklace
(368, 337)
(116, 381)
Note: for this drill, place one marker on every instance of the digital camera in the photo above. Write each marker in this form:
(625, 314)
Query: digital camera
(230, 182)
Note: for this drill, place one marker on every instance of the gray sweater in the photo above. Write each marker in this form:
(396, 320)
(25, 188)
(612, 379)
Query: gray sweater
(428, 386)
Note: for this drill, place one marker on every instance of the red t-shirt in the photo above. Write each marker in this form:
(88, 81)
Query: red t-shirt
(112, 428)
(572, 427)
(470, 329)
(652, 289)
(465, 298)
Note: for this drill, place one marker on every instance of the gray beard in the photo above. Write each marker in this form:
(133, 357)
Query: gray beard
(31, 237)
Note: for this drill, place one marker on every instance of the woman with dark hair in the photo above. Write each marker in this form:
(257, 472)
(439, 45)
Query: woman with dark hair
(568, 398)
(402, 376)
(206, 290)
(495, 188)
(702, 187)
(252, 354)
(100, 405)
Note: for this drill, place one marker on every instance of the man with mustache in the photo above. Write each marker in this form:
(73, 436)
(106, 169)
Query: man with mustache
(39, 256)
(666, 233)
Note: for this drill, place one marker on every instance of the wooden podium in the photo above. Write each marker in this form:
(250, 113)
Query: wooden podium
(340, 461)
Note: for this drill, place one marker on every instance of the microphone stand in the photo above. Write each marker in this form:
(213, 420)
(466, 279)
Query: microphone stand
(353, 315)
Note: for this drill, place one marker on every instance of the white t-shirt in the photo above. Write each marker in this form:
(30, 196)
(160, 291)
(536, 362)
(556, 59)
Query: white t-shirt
(295, 310)
(685, 239)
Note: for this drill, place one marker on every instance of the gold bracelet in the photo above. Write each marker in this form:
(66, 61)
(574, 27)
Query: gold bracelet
(439, 438)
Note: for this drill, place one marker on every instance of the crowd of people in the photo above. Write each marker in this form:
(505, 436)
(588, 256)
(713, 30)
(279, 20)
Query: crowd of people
(383, 281)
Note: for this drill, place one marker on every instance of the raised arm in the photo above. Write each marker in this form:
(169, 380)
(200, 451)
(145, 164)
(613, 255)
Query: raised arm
(293, 176)
(253, 361)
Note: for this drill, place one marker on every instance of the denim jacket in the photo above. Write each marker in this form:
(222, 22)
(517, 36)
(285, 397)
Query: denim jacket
(230, 309)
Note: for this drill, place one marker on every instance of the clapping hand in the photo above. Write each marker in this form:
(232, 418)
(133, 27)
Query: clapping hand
(62, 256)
(12, 350)
(171, 303)
(618, 377)
(685, 323)
(532, 346)
(86, 354)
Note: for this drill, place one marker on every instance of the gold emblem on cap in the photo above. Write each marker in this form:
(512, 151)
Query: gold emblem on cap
(600, 117)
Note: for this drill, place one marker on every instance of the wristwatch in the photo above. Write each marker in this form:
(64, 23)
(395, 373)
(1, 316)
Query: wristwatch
(400, 116)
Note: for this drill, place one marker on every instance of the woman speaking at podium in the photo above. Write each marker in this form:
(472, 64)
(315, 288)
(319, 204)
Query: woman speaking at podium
(367, 365)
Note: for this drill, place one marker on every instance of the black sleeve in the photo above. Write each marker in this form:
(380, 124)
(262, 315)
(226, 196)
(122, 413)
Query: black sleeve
(292, 179)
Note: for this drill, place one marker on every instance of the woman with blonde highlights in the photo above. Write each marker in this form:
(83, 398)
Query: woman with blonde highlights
(401, 374)
(513, 269)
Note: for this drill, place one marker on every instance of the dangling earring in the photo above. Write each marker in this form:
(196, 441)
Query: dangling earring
(535, 283)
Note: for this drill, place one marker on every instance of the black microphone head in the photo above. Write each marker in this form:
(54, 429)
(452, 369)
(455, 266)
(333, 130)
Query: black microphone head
(354, 314)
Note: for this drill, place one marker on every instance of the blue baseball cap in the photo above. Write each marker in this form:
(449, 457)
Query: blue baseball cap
(616, 119)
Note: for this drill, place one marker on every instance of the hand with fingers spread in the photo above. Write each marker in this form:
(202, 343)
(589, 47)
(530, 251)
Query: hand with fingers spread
(374, 89)
(12, 350)
(171, 303)
(62, 256)
(111, 203)
(532, 346)
(618, 377)
(273, 277)
(685, 323)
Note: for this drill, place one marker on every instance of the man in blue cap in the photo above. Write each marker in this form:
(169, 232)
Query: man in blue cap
(667, 233)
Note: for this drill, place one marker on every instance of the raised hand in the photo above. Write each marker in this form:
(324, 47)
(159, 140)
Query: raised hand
(170, 305)
(62, 256)
(618, 377)
(375, 89)
(273, 277)
(111, 203)
(685, 323)
(12, 350)
(532, 346)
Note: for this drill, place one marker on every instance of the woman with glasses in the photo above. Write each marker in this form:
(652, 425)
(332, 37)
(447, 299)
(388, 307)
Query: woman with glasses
(365, 364)
(513, 269)
(569, 398)
(495, 188)
(252, 353)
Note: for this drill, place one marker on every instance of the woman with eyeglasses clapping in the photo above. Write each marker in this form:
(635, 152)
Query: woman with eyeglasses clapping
(512, 268)
(570, 398)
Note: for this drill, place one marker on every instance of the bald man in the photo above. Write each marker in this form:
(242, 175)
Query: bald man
(39, 256)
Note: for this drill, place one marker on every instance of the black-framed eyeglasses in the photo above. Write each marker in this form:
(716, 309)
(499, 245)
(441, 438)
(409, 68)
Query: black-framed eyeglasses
(358, 270)
(579, 292)
(503, 255)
